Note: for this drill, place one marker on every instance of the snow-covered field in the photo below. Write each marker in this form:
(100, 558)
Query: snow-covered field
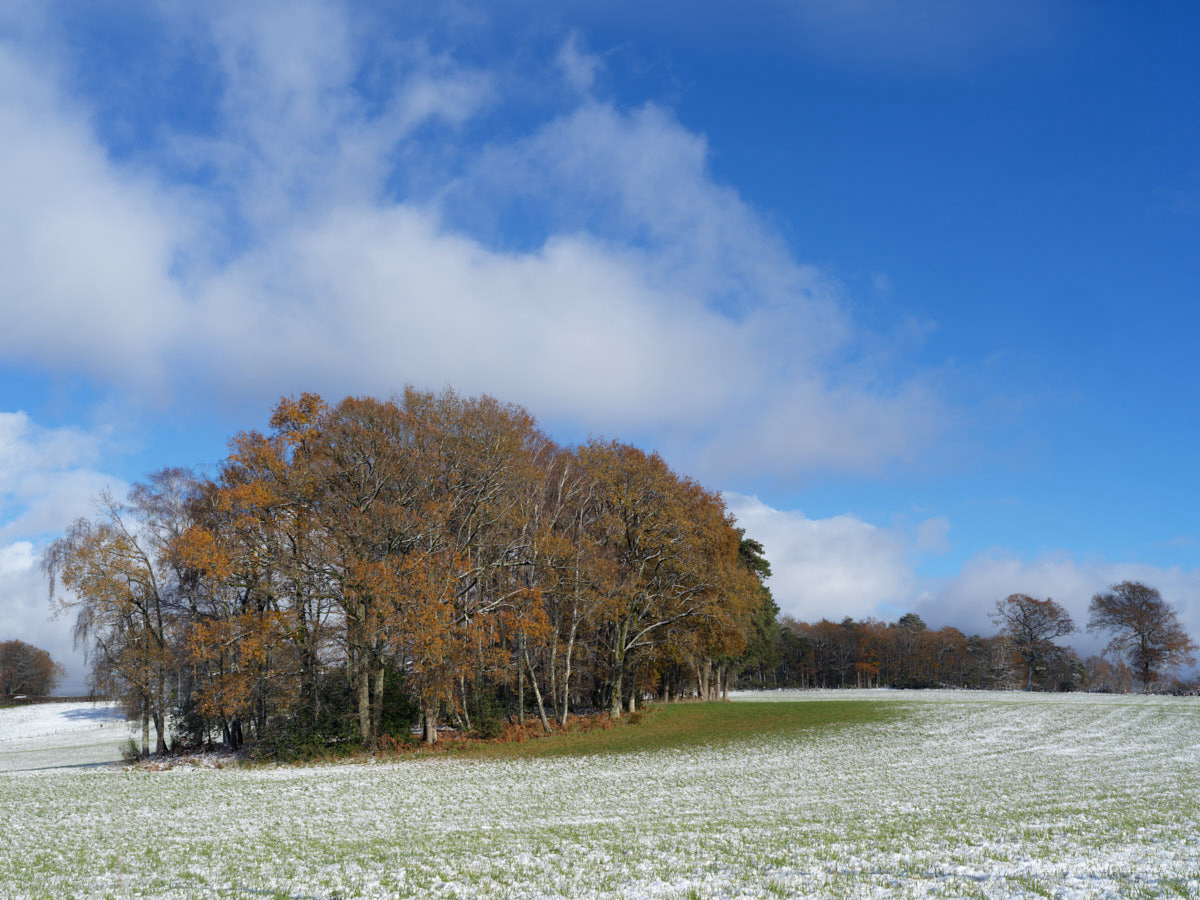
(60, 735)
(963, 795)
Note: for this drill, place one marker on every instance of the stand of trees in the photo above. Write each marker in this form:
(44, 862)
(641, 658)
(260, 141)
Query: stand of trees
(1031, 625)
(373, 565)
(908, 654)
(26, 669)
(1148, 643)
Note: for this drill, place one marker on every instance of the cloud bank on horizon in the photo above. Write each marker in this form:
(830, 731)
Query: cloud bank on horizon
(303, 196)
(843, 566)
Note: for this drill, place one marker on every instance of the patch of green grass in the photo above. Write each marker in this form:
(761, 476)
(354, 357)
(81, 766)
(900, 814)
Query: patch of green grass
(682, 725)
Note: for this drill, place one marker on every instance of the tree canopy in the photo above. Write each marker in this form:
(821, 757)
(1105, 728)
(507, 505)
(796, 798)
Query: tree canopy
(1145, 630)
(26, 669)
(1032, 625)
(429, 557)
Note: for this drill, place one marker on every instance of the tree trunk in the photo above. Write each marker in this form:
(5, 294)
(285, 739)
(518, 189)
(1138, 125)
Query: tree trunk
(520, 680)
(619, 647)
(145, 728)
(553, 664)
(364, 703)
(160, 733)
(462, 691)
(537, 693)
(614, 706)
(565, 708)
(377, 701)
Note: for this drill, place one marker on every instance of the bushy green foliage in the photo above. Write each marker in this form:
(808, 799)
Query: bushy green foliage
(400, 707)
(188, 727)
(295, 740)
(316, 728)
(487, 715)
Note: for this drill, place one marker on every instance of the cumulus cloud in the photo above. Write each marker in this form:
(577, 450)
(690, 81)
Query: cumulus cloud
(845, 566)
(25, 614)
(826, 568)
(325, 242)
(966, 600)
(86, 247)
(48, 478)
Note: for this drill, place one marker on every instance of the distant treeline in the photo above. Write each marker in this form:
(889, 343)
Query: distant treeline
(372, 566)
(908, 654)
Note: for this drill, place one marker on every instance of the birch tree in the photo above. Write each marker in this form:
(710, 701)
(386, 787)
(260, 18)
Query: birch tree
(119, 575)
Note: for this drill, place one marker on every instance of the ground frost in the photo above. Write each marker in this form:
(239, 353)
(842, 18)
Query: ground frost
(964, 795)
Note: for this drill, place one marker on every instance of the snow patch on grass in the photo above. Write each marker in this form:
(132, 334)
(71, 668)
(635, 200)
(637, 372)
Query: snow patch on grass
(997, 796)
(60, 735)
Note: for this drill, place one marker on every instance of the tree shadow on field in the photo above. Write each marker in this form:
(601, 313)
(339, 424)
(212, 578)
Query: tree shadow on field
(101, 716)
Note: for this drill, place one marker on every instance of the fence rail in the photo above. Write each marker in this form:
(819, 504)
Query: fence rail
(25, 699)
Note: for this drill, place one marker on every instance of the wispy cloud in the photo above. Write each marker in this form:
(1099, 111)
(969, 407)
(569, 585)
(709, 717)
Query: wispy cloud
(645, 296)
(578, 66)
(923, 33)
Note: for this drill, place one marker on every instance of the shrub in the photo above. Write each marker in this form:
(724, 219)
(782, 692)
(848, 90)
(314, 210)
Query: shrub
(487, 716)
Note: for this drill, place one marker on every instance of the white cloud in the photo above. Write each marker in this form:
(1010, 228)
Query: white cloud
(656, 299)
(25, 613)
(966, 600)
(826, 568)
(933, 535)
(48, 478)
(16, 559)
(571, 326)
(297, 134)
(579, 67)
(86, 247)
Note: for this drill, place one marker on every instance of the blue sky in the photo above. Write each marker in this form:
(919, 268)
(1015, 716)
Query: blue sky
(912, 282)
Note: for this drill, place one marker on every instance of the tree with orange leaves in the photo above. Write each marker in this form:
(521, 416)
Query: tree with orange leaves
(435, 539)
(676, 554)
(121, 578)
(26, 669)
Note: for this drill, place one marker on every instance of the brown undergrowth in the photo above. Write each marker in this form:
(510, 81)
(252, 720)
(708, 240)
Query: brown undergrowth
(670, 726)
